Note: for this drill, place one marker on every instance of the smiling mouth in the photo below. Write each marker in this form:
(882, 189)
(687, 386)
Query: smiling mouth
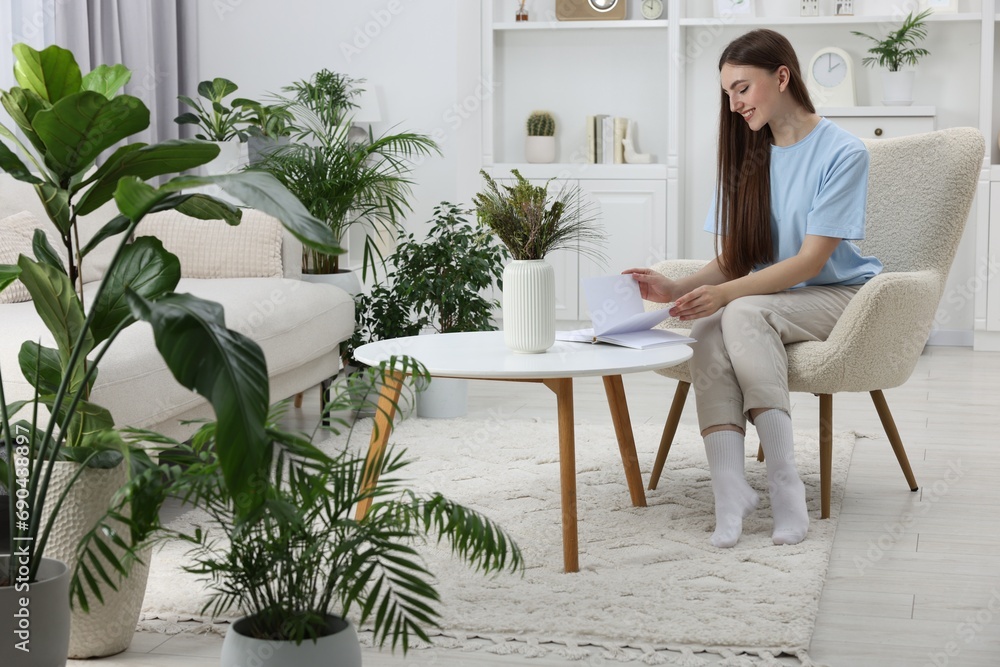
(747, 114)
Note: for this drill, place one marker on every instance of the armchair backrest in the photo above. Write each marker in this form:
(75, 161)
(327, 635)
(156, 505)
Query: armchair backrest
(920, 190)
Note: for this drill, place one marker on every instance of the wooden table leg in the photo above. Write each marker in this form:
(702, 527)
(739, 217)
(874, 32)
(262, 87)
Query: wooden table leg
(392, 384)
(563, 389)
(615, 390)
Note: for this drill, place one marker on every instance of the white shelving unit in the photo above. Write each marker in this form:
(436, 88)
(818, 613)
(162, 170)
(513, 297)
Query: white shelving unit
(662, 74)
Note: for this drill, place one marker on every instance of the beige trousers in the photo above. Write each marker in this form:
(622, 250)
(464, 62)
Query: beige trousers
(739, 362)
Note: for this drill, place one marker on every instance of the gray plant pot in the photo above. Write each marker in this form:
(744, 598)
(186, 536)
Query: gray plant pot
(344, 279)
(444, 398)
(259, 147)
(43, 622)
(340, 649)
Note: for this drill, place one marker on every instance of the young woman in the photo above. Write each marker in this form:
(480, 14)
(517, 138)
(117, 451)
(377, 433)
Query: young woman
(790, 197)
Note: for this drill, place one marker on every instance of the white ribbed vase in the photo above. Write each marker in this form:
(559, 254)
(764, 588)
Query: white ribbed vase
(529, 306)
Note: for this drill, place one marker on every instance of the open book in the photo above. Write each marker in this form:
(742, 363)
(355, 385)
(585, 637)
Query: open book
(618, 316)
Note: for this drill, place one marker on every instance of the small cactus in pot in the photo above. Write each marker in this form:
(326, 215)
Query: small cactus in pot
(540, 145)
(541, 124)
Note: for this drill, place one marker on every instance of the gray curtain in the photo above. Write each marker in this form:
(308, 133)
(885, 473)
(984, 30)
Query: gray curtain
(156, 39)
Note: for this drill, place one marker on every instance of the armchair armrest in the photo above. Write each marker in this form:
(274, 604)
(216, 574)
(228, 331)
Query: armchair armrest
(876, 342)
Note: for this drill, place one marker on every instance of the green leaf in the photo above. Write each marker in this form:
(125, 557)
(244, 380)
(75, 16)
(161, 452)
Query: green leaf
(52, 73)
(104, 459)
(216, 89)
(77, 128)
(113, 227)
(144, 162)
(225, 367)
(146, 268)
(187, 119)
(43, 363)
(55, 200)
(263, 191)
(204, 207)
(22, 105)
(135, 198)
(107, 80)
(8, 274)
(10, 163)
(57, 304)
(44, 252)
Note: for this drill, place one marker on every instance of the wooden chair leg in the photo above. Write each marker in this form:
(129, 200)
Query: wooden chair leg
(298, 400)
(669, 430)
(825, 452)
(760, 453)
(897, 443)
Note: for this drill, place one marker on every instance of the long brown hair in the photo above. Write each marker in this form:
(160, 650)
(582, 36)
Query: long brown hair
(743, 198)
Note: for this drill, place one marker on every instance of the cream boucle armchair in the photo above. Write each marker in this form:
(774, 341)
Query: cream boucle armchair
(920, 190)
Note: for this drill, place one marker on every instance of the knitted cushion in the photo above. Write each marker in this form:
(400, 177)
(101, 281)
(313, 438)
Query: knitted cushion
(213, 249)
(16, 232)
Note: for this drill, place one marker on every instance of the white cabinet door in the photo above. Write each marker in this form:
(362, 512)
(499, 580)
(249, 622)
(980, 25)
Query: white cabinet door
(633, 215)
(992, 283)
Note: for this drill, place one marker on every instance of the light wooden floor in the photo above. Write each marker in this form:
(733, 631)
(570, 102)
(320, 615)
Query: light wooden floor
(914, 578)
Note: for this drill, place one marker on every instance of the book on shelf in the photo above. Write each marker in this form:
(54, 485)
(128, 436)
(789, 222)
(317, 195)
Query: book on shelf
(604, 139)
(618, 317)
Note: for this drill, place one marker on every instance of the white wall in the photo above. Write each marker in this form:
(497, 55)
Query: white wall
(423, 57)
(406, 49)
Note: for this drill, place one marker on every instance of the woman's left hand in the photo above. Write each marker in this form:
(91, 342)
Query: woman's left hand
(699, 302)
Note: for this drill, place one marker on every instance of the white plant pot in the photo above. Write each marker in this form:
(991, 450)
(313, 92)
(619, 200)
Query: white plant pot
(897, 88)
(541, 150)
(529, 306)
(232, 156)
(340, 649)
(107, 628)
(443, 398)
(47, 624)
(345, 280)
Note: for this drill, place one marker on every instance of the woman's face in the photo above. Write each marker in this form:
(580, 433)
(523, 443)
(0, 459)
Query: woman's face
(754, 93)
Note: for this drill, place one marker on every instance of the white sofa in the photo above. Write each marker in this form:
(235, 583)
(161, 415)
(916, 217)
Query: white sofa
(253, 270)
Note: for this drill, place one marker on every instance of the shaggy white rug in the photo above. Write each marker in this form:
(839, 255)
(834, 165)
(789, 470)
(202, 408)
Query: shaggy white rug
(650, 586)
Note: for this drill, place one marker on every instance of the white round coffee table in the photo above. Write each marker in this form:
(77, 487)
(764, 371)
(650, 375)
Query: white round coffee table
(483, 356)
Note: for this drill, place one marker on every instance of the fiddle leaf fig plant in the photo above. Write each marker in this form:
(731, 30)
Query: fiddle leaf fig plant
(69, 120)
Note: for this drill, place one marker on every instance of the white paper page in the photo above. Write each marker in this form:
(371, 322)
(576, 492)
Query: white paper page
(612, 300)
(639, 322)
(576, 335)
(642, 340)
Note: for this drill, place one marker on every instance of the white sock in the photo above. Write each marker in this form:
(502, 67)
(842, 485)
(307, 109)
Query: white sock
(788, 493)
(734, 499)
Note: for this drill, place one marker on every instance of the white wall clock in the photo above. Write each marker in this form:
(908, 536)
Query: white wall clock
(830, 78)
(652, 9)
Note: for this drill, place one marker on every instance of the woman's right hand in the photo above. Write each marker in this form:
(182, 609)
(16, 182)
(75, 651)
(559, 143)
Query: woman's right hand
(654, 286)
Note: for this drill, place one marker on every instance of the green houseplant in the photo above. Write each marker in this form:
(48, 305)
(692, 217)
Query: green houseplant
(532, 223)
(68, 120)
(348, 184)
(215, 120)
(300, 562)
(540, 144)
(435, 284)
(896, 50)
(267, 126)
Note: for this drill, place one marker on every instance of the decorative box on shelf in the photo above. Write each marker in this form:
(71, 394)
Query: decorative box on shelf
(882, 122)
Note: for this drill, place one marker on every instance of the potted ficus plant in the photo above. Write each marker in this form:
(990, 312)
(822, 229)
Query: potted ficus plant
(895, 51)
(533, 222)
(69, 120)
(350, 184)
(298, 564)
(217, 122)
(440, 283)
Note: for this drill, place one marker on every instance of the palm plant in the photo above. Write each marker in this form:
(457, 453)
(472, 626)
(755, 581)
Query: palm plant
(532, 222)
(898, 47)
(342, 181)
(69, 120)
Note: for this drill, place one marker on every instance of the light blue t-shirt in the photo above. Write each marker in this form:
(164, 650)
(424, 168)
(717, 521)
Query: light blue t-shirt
(819, 186)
